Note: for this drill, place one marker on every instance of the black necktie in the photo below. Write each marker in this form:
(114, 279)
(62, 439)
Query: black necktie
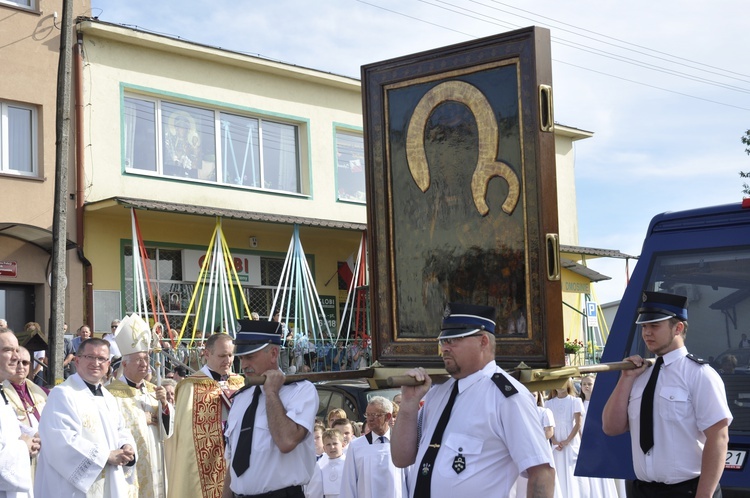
(647, 408)
(241, 460)
(381, 439)
(95, 390)
(424, 472)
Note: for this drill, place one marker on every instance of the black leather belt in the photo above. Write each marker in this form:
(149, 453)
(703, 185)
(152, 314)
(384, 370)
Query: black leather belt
(648, 484)
(659, 489)
(290, 492)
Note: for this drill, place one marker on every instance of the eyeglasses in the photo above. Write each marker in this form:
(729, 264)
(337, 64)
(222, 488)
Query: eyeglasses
(374, 415)
(97, 359)
(450, 341)
(113, 326)
(25, 363)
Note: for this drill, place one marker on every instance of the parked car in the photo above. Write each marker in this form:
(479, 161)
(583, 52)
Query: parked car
(351, 395)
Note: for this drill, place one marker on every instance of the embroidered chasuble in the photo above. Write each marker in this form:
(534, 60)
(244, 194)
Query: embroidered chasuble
(195, 453)
(143, 416)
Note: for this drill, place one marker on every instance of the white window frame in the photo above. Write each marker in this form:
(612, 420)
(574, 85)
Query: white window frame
(5, 166)
(33, 4)
(217, 144)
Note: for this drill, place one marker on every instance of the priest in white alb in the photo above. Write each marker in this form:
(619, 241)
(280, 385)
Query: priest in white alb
(87, 450)
(16, 447)
(144, 406)
(26, 398)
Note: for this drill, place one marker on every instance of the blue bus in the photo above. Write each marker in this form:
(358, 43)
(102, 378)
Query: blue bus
(703, 254)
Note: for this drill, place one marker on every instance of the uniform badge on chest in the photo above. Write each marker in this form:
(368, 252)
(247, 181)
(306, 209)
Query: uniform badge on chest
(459, 463)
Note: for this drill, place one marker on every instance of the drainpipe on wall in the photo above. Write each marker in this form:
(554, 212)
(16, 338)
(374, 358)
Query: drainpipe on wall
(88, 291)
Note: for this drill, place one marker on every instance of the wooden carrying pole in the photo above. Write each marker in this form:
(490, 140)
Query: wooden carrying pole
(258, 380)
(533, 379)
(541, 379)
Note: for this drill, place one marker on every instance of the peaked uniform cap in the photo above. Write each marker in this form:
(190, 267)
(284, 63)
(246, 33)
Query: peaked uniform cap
(461, 320)
(254, 335)
(658, 306)
(133, 335)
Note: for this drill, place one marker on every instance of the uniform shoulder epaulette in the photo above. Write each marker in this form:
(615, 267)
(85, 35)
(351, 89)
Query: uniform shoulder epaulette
(504, 385)
(700, 361)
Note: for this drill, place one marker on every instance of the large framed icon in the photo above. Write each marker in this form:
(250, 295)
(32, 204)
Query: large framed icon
(462, 196)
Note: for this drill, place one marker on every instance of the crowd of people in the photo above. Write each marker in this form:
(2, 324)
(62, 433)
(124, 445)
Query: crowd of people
(216, 434)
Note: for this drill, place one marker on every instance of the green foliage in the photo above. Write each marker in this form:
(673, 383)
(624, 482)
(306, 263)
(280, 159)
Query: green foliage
(572, 347)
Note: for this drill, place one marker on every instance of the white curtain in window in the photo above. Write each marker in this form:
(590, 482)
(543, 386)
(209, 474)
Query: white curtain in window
(130, 120)
(287, 180)
(20, 133)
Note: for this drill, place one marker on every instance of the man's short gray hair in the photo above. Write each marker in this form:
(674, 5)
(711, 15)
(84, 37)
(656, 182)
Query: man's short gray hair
(384, 403)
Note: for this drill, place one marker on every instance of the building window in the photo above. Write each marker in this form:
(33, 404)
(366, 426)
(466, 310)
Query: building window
(165, 275)
(209, 145)
(18, 139)
(29, 4)
(350, 166)
(140, 135)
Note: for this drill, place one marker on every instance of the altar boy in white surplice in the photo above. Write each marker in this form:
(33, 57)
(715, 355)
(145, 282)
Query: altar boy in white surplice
(326, 479)
(87, 449)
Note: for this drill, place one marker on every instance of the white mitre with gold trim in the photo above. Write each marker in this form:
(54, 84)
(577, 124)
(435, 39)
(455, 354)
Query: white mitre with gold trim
(133, 335)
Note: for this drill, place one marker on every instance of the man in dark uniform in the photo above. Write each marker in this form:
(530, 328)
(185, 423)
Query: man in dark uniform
(270, 448)
(478, 430)
(677, 415)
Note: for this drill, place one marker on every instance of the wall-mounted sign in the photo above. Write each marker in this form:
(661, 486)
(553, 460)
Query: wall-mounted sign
(8, 269)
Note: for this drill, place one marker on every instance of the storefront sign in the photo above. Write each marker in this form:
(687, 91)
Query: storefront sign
(247, 266)
(329, 308)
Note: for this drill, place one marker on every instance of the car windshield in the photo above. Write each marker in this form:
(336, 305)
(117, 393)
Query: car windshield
(717, 285)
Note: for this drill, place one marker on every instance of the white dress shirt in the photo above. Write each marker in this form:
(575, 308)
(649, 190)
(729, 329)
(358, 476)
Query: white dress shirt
(497, 436)
(270, 469)
(689, 398)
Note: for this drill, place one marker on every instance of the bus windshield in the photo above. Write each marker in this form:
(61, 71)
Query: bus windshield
(717, 285)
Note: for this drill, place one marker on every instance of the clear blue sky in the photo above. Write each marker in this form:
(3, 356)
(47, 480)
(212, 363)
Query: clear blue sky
(665, 86)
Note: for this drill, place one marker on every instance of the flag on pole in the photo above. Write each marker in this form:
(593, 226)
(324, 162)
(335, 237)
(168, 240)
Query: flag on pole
(346, 271)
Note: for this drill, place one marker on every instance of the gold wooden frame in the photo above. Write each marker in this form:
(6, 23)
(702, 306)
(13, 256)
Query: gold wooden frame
(427, 117)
